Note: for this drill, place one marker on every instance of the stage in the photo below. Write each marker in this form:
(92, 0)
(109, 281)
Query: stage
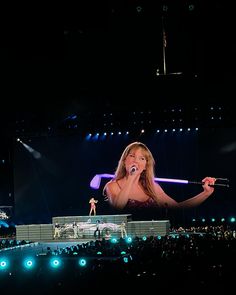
(82, 228)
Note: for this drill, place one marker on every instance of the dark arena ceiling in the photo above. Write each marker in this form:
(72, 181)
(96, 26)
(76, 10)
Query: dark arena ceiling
(114, 55)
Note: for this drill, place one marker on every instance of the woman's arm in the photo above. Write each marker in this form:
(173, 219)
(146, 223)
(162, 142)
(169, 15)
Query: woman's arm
(167, 201)
(118, 196)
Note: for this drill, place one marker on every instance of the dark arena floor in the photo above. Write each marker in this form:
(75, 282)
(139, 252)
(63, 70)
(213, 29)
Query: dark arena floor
(180, 260)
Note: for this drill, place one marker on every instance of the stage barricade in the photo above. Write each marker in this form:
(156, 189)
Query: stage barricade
(148, 228)
(83, 227)
(35, 232)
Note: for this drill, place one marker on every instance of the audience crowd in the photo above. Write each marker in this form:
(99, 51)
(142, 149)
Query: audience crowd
(186, 261)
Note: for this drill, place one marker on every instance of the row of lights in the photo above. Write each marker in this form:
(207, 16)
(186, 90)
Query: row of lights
(30, 263)
(203, 220)
(142, 131)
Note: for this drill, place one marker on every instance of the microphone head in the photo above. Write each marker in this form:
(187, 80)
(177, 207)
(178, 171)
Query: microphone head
(133, 169)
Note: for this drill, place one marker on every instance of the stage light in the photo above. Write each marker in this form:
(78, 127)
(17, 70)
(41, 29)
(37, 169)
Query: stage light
(128, 240)
(82, 262)
(191, 7)
(4, 263)
(29, 263)
(88, 136)
(114, 240)
(55, 262)
(232, 219)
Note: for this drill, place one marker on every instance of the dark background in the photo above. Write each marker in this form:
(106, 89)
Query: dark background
(95, 58)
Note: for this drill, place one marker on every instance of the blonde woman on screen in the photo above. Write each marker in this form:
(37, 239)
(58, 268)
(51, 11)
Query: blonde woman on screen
(134, 186)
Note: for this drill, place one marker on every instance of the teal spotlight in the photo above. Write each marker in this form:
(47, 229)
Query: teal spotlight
(159, 237)
(222, 219)
(55, 262)
(29, 263)
(82, 262)
(232, 219)
(114, 240)
(144, 238)
(128, 240)
(213, 220)
(125, 259)
(122, 252)
(4, 263)
(203, 219)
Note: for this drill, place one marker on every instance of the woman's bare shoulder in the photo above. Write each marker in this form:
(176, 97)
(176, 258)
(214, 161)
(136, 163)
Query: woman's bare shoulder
(112, 183)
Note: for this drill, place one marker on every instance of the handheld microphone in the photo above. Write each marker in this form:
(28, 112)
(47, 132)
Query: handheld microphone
(133, 169)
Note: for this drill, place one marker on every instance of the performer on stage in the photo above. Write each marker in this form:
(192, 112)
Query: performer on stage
(133, 185)
(97, 232)
(76, 230)
(92, 203)
(57, 231)
(123, 229)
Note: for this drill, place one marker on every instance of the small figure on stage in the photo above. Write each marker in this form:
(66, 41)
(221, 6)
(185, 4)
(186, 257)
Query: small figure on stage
(76, 230)
(123, 230)
(97, 232)
(92, 203)
(57, 231)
